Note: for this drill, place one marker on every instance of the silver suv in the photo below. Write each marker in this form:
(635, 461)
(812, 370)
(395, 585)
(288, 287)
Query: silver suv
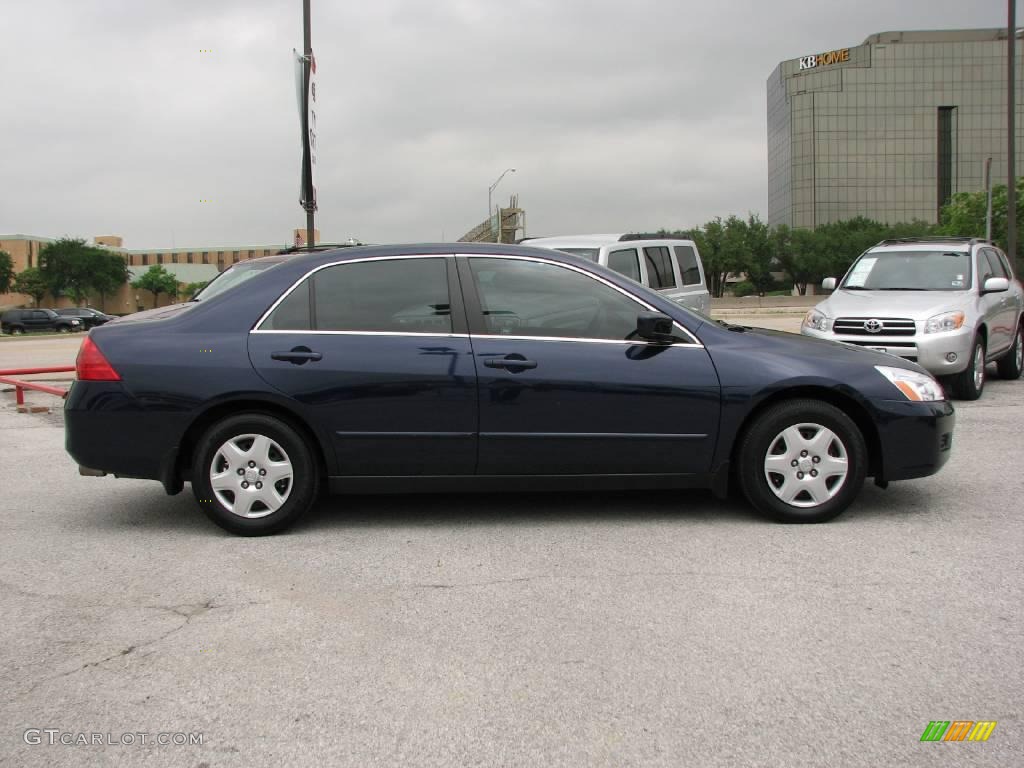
(950, 304)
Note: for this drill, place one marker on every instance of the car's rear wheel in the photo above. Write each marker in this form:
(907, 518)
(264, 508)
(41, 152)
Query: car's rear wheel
(63, 329)
(17, 331)
(254, 474)
(1011, 364)
(802, 461)
(968, 384)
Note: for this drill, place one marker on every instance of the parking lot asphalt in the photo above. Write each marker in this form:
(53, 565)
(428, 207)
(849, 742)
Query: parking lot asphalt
(578, 629)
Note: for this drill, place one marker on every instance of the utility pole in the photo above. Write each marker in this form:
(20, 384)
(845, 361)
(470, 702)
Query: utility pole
(307, 51)
(1011, 109)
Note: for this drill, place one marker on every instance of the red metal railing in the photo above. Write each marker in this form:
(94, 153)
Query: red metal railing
(20, 386)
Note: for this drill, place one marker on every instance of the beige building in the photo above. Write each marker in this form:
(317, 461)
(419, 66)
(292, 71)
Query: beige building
(188, 265)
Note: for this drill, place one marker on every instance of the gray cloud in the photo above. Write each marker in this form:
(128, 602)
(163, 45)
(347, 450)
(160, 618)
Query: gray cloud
(618, 116)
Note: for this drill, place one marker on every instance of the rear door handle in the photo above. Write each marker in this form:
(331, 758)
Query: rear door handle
(512, 363)
(297, 356)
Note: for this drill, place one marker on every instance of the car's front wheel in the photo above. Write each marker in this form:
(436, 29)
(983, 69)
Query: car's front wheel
(802, 461)
(253, 474)
(968, 384)
(1011, 364)
(63, 329)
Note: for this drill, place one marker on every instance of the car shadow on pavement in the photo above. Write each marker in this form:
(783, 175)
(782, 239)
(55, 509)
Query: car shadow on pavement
(155, 511)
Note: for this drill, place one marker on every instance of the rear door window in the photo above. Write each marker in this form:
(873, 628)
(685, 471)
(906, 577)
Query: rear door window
(625, 262)
(688, 268)
(659, 267)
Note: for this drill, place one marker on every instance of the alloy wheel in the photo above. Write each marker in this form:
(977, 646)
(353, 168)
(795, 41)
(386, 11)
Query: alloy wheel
(806, 465)
(979, 366)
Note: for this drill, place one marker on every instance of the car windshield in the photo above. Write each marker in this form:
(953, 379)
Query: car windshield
(233, 276)
(910, 271)
(587, 253)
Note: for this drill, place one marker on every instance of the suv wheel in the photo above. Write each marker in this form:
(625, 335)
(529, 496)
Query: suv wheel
(63, 329)
(253, 474)
(1011, 364)
(802, 461)
(16, 331)
(968, 384)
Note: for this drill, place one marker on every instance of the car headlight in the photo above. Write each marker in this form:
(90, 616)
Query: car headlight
(817, 321)
(947, 321)
(919, 387)
(76, 322)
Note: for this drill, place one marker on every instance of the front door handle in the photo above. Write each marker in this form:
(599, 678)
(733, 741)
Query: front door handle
(297, 356)
(512, 363)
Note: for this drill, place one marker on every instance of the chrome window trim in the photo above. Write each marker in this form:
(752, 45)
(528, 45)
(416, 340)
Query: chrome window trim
(695, 343)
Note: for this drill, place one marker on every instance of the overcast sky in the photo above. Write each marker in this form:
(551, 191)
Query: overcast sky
(618, 116)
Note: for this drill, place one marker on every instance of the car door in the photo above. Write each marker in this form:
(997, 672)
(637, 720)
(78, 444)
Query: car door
(376, 353)
(565, 386)
(1004, 306)
(39, 321)
(991, 304)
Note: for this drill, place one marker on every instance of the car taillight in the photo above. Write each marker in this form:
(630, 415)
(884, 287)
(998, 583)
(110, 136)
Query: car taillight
(91, 365)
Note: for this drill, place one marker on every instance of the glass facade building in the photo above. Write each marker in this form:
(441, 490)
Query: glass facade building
(889, 129)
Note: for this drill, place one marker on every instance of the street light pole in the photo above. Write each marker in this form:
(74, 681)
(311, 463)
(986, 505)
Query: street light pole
(490, 190)
(307, 51)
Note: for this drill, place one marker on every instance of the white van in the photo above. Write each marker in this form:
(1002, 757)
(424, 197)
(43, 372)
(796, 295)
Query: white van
(672, 267)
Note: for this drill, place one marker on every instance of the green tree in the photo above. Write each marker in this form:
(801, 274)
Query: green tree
(157, 280)
(6, 271)
(112, 272)
(192, 289)
(965, 215)
(759, 255)
(32, 283)
(72, 267)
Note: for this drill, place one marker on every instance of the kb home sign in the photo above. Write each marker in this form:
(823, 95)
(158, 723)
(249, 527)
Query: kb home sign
(825, 59)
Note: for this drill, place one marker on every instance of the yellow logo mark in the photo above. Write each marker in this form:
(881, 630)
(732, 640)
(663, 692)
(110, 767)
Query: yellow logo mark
(982, 730)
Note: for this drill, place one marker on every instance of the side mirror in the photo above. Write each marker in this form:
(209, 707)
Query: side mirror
(829, 283)
(996, 285)
(654, 326)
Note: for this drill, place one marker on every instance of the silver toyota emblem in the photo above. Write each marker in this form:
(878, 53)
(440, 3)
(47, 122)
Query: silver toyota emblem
(873, 325)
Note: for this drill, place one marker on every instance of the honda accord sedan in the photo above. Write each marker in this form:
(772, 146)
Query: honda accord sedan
(477, 367)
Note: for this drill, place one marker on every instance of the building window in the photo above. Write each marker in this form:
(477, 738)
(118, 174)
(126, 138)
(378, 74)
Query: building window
(206, 257)
(188, 258)
(251, 254)
(145, 259)
(220, 259)
(159, 258)
(30, 253)
(234, 257)
(174, 258)
(944, 159)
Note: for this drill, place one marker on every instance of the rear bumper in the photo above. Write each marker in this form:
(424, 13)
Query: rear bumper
(916, 438)
(108, 430)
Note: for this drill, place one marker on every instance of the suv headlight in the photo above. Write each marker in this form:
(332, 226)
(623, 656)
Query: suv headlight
(947, 321)
(919, 387)
(817, 321)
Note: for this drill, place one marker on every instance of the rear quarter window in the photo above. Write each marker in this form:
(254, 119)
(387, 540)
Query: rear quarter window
(659, 267)
(688, 267)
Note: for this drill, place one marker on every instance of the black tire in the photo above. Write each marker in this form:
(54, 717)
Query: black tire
(16, 331)
(63, 329)
(1010, 365)
(301, 489)
(969, 383)
(761, 441)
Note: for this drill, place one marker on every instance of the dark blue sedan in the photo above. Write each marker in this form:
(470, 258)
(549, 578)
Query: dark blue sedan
(478, 367)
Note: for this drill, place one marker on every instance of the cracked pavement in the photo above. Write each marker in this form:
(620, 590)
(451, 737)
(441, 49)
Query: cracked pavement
(515, 630)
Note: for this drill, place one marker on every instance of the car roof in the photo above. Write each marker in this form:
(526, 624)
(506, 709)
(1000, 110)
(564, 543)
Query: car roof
(946, 246)
(424, 249)
(597, 241)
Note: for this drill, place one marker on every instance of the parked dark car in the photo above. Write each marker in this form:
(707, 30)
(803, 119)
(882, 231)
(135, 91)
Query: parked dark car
(90, 317)
(18, 321)
(408, 368)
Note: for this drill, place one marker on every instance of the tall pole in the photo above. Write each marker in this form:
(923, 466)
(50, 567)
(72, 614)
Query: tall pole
(307, 51)
(988, 197)
(1011, 110)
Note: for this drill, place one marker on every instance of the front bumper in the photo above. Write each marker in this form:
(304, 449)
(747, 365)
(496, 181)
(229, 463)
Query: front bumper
(915, 438)
(930, 351)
